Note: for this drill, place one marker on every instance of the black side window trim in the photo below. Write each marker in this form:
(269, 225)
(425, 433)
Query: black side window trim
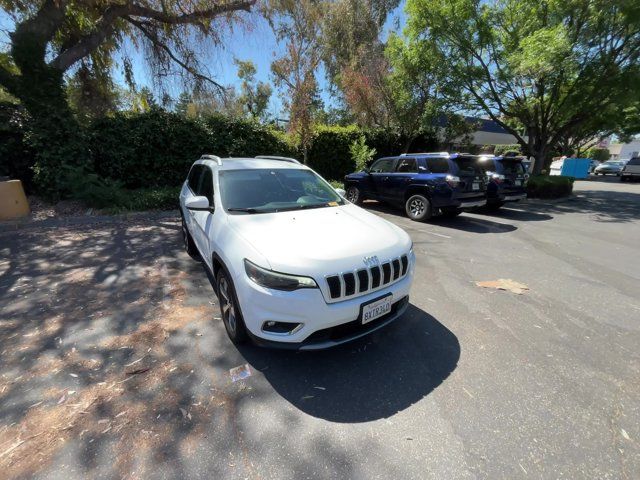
(196, 171)
(203, 176)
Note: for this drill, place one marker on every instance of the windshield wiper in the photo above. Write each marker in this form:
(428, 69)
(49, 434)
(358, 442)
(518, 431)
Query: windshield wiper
(303, 207)
(245, 210)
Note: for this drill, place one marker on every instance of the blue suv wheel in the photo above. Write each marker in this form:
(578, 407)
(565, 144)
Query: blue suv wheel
(418, 208)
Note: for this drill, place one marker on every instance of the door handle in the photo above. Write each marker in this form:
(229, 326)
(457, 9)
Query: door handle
(386, 178)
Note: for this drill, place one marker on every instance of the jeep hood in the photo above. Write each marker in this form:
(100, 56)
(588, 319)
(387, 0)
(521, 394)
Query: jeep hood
(322, 240)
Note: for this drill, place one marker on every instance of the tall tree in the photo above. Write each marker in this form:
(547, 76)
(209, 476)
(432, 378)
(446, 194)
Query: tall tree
(51, 36)
(297, 24)
(254, 96)
(549, 65)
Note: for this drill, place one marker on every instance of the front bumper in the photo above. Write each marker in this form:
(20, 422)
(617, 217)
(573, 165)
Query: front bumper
(515, 197)
(473, 203)
(324, 324)
(337, 335)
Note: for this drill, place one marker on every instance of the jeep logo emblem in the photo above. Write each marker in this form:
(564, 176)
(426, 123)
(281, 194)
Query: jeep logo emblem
(371, 261)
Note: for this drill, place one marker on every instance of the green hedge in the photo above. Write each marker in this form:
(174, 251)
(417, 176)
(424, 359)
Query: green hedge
(330, 154)
(16, 157)
(151, 150)
(156, 148)
(547, 186)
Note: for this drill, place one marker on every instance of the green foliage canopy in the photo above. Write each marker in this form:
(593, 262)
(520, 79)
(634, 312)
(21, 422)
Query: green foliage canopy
(551, 67)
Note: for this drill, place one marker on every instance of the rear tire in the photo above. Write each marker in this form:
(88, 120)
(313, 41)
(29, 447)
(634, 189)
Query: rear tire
(229, 309)
(189, 244)
(450, 212)
(418, 208)
(354, 195)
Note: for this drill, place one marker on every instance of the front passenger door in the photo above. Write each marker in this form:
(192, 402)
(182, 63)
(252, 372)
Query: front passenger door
(380, 172)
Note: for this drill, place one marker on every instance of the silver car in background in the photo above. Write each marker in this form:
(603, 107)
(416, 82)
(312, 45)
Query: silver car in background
(610, 167)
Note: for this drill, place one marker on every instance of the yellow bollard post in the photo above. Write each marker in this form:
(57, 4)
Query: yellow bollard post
(13, 202)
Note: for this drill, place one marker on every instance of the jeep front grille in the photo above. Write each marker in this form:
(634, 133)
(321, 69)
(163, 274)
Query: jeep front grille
(349, 284)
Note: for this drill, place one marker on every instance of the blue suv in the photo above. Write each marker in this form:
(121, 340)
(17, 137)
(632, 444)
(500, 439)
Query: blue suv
(507, 179)
(421, 183)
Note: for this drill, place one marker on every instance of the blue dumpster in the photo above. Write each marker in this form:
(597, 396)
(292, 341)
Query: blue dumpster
(575, 167)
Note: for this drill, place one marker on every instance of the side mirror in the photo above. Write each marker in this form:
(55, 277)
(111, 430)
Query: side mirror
(341, 192)
(199, 203)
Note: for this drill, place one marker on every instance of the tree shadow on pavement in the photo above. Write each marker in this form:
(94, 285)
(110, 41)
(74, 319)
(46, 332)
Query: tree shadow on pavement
(97, 329)
(606, 206)
(368, 379)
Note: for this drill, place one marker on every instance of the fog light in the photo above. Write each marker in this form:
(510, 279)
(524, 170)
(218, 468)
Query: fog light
(283, 328)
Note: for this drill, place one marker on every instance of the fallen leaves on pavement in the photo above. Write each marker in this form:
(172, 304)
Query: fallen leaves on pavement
(504, 284)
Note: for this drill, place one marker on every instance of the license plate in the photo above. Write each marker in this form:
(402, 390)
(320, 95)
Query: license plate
(475, 186)
(376, 309)
(518, 183)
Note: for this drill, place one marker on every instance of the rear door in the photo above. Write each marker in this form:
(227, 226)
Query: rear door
(381, 172)
(406, 170)
(202, 219)
(192, 187)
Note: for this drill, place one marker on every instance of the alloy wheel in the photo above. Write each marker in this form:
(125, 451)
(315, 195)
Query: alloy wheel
(416, 207)
(352, 194)
(227, 305)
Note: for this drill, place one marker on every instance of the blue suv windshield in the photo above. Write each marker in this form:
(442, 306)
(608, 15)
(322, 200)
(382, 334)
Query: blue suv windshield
(274, 190)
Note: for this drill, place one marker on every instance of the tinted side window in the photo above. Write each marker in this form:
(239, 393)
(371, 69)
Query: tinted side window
(206, 185)
(383, 165)
(194, 178)
(408, 165)
(438, 165)
(634, 161)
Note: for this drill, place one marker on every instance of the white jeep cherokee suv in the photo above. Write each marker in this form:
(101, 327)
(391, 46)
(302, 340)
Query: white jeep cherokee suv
(295, 264)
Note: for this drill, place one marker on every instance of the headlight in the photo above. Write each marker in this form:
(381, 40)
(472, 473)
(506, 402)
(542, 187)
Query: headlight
(275, 280)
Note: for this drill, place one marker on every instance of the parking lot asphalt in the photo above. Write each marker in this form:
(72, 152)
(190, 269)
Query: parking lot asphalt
(115, 363)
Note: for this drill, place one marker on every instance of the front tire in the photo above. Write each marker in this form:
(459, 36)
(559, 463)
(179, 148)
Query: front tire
(229, 309)
(418, 208)
(354, 195)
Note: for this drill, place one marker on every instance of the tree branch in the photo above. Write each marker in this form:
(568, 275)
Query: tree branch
(88, 43)
(192, 17)
(153, 38)
(105, 26)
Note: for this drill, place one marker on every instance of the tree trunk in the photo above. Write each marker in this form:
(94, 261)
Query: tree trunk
(56, 137)
(540, 155)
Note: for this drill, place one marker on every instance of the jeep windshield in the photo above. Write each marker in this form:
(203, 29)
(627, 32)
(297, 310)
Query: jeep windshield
(268, 190)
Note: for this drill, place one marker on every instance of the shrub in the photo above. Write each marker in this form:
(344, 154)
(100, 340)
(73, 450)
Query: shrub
(502, 149)
(145, 150)
(16, 156)
(156, 148)
(545, 186)
(361, 154)
(330, 153)
(599, 154)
